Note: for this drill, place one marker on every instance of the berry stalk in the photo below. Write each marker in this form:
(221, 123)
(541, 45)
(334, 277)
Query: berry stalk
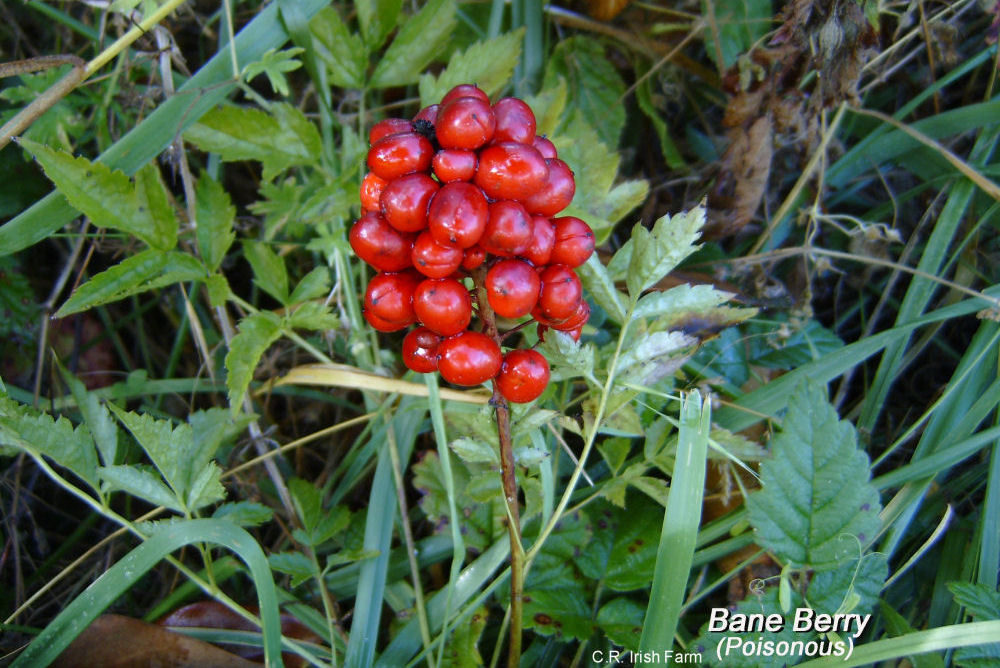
(508, 479)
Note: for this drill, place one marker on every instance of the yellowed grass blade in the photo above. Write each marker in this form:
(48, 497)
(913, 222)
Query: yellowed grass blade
(341, 375)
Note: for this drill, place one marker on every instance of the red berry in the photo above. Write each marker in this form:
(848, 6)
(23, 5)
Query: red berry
(465, 122)
(428, 114)
(509, 229)
(454, 164)
(556, 194)
(434, 259)
(458, 214)
(464, 90)
(545, 146)
(523, 376)
(443, 305)
(512, 288)
(404, 201)
(388, 126)
(382, 325)
(509, 170)
(515, 121)
(389, 298)
(473, 258)
(577, 320)
(399, 154)
(543, 235)
(379, 244)
(469, 358)
(420, 350)
(574, 241)
(561, 292)
(371, 191)
(573, 333)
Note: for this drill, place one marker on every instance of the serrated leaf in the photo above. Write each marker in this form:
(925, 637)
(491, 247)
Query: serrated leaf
(215, 214)
(168, 447)
(244, 513)
(620, 261)
(532, 420)
(295, 564)
(679, 301)
(95, 416)
(377, 19)
(314, 316)
(653, 348)
(218, 289)
(622, 552)
(595, 87)
(549, 105)
(308, 502)
(256, 333)
(107, 196)
(489, 64)
(567, 358)
(147, 270)
(621, 620)
(816, 504)
(830, 591)
(564, 612)
(421, 38)
(341, 50)
(601, 287)
(656, 252)
(141, 484)
(615, 452)
(983, 604)
(210, 429)
(274, 64)
(475, 451)
(268, 269)
(57, 439)
(314, 284)
(790, 347)
(529, 457)
(282, 139)
(205, 488)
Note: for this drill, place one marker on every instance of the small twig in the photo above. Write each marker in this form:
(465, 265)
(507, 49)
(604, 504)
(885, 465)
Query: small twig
(24, 118)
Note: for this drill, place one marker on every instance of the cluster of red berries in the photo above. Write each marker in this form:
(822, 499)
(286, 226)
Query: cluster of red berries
(464, 188)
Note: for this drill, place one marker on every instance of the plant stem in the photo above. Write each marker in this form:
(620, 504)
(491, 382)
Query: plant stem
(508, 478)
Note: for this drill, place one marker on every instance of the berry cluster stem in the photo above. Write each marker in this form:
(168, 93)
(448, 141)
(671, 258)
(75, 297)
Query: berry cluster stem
(508, 479)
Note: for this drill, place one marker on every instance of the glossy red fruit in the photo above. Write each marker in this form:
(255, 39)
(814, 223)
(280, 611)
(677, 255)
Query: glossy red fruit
(371, 191)
(512, 288)
(428, 114)
(389, 298)
(454, 164)
(464, 90)
(556, 194)
(561, 292)
(420, 350)
(515, 121)
(458, 214)
(380, 244)
(469, 358)
(574, 241)
(399, 154)
(465, 123)
(508, 230)
(509, 170)
(543, 235)
(545, 146)
(434, 259)
(577, 320)
(382, 325)
(443, 305)
(473, 258)
(523, 376)
(405, 200)
(388, 126)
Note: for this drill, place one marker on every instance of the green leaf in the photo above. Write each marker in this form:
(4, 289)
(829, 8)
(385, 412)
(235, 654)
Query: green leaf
(830, 592)
(595, 87)
(707, 644)
(656, 252)
(144, 271)
(99, 422)
(218, 288)
(341, 50)
(739, 24)
(274, 64)
(563, 611)
(282, 139)
(549, 105)
(489, 64)
(268, 269)
(108, 198)
(244, 513)
(653, 350)
(314, 316)
(983, 604)
(141, 484)
(622, 552)
(205, 488)
(644, 96)
(314, 284)
(421, 38)
(256, 333)
(215, 214)
(169, 448)
(816, 505)
(377, 19)
(475, 451)
(788, 347)
(22, 427)
(597, 281)
(318, 524)
(567, 358)
(621, 620)
(462, 648)
(680, 301)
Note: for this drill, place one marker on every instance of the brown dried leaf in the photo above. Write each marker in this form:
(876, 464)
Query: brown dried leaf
(742, 179)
